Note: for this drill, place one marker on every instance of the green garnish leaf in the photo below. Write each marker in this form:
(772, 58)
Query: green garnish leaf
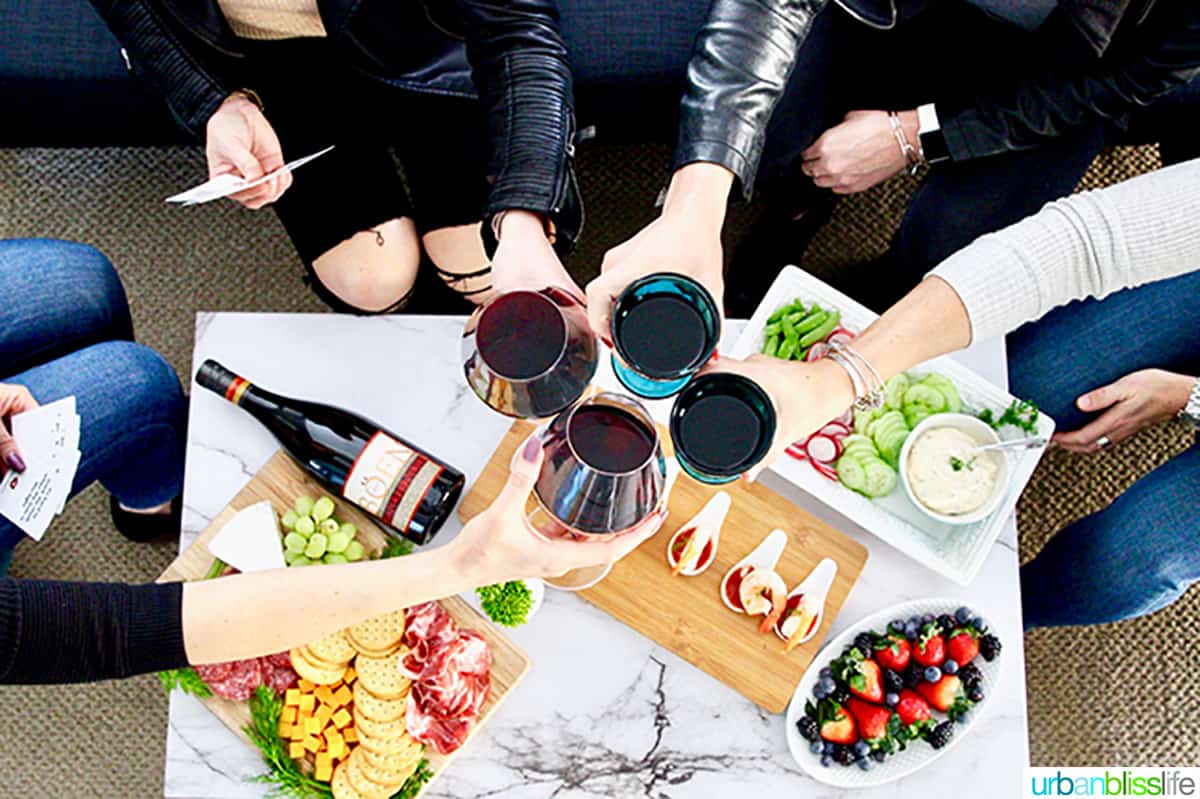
(286, 779)
(396, 548)
(508, 603)
(186, 680)
(1020, 414)
(416, 781)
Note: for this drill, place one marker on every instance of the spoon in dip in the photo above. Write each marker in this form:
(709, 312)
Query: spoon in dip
(1035, 442)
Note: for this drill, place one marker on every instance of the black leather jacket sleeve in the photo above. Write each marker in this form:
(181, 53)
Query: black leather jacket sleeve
(741, 62)
(1164, 55)
(519, 65)
(192, 92)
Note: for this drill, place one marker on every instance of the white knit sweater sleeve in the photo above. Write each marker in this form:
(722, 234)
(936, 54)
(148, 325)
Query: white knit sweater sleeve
(1087, 245)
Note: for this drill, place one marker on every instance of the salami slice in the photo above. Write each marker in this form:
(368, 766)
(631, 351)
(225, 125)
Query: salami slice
(239, 686)
(279, 678)
(280, 660)
(215, 672)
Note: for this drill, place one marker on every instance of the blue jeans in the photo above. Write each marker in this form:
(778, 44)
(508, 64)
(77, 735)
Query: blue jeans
(1141, 553)
(65, 329)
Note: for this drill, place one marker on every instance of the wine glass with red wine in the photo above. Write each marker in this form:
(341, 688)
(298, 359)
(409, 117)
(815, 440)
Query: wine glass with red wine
(665, 327)
(722, 424)
(603, 473)
(529, 354)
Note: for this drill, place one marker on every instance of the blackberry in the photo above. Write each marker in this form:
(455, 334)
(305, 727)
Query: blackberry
(969, 674)
(914, 675)
(975, 692)
(989, 647)
(843, 755)
(879, 755)
(840, 695)
(941, 734)
(807, 726)
(946, 622)
(864, 644)
(893, 682)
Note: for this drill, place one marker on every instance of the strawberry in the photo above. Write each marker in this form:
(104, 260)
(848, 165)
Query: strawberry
(836, 724)
(872, 720)
(862, 675)
(912, 709)
(962, 645)
(930, 648)
(892, 651)
(943, 693)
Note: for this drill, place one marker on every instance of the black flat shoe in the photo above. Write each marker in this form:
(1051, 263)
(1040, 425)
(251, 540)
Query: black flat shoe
(143, 527)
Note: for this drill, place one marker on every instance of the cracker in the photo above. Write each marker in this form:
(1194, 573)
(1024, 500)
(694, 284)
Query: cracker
(365, 786)
(379, 634)
(333, 648)
(381, 676)
(375, 708)
(395, 762)
(393, 778)
(379, 730)
(342, 789)
(312, 672)
(320, 662)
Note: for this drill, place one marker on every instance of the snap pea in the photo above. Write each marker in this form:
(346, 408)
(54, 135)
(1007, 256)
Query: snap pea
(812, 321)
(771, 346)
(772, 329)
(817, 334)
(789, 329)
(787, 349)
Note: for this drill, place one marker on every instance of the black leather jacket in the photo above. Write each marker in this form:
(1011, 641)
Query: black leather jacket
(746, 51)
(514, 60)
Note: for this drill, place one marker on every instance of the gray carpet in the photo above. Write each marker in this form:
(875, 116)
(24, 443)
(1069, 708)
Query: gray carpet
(108, 740)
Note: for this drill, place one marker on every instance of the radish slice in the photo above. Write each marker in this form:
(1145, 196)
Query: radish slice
(797, 452)
(846, 419)
(818, 350)
(835, 430)
(840, 335)
(823, 449)
(825, 470)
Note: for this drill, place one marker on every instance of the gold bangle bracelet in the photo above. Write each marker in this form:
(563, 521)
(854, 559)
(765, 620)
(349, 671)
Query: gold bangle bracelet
(250, 95)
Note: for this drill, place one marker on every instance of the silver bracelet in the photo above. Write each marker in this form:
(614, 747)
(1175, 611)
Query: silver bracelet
(876, 380)
(1191, 412)
(868, 388)
(911, 155)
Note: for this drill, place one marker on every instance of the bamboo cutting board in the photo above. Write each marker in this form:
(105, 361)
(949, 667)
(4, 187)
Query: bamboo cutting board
(685, 614)
(280, 482)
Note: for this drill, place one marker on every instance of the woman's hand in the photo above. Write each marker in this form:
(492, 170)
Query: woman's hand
(1135, 401)
(500, 544)
(524, 258)
(806, 396)
(239, 140)
(859, 152)
(685, 240)
(14, 399)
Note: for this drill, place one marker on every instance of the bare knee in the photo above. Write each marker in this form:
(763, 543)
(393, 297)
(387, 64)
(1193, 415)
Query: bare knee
(461, 262)
(373, 269)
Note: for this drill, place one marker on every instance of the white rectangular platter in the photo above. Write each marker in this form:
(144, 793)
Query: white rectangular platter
(955, 551)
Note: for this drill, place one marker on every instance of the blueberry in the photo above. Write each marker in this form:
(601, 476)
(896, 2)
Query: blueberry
(891, 700)
(928, 617)
(816, 690)
(897, 625)
(862, 749)
(825, 672)
(879, 755)
(913, 621)
(963, 718)
(979, 624)
(865, 764)
(816, 747)
(962, 615)
(950, 666)
(829, 747)
(828, 686)
(933, 674)
(826, 761)
(911, 630)
(975, 694)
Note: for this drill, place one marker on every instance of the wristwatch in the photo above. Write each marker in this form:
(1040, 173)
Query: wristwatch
(929, 132)
(1191, 411)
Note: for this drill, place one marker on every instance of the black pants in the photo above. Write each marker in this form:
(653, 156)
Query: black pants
(950, 49)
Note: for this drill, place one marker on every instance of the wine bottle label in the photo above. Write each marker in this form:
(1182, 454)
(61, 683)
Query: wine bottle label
(390, 480)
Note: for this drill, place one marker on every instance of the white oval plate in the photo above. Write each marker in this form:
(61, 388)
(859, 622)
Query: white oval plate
(919, 754)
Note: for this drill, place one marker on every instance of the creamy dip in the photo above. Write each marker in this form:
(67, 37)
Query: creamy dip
(945, 476)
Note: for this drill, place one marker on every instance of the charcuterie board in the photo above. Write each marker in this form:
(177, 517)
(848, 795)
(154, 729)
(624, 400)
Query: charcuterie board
(279, 482)
(687, 615)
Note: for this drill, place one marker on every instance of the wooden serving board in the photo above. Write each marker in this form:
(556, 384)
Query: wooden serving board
(686, 614)
(280, 482)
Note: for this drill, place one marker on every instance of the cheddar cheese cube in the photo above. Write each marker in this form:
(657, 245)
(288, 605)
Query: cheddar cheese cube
(350, 735)
(341, 718)
(350, 675)
(323, 714)
(312, 744)
(308, 702)
(291, 697)
(289, 714)
(306, 687)
(296, 750)
(337, 747)
(313, 726)
(285, 729)
(323, 694)
(342, 696)
(324, 768)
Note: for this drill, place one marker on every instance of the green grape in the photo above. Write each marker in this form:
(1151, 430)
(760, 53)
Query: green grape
(349, 529)
(316, 545)
(338, 542)
(302, 561)
(305, 526)
(294, 542)
(330, 526)
(334, 557)
(322, 509)
(290, 557)
(304, 505)
(354, 551)
(288, 519)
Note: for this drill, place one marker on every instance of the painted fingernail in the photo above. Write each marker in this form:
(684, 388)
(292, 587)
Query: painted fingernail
(532, 446)
(15, 462)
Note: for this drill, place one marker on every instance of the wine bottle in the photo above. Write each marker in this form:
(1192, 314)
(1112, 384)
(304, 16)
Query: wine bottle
(403, 486)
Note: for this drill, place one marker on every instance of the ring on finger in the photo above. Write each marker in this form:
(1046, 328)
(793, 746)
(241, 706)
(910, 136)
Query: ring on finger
(1104, 442)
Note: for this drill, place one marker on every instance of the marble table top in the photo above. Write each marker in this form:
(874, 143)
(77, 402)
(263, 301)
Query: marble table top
(604, 712)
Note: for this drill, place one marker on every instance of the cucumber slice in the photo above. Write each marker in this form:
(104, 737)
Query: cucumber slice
(893, 391)
(916, 414)
(880, 479)
(863, 419)
(946, 387)
(852, 474)
(923, 396)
